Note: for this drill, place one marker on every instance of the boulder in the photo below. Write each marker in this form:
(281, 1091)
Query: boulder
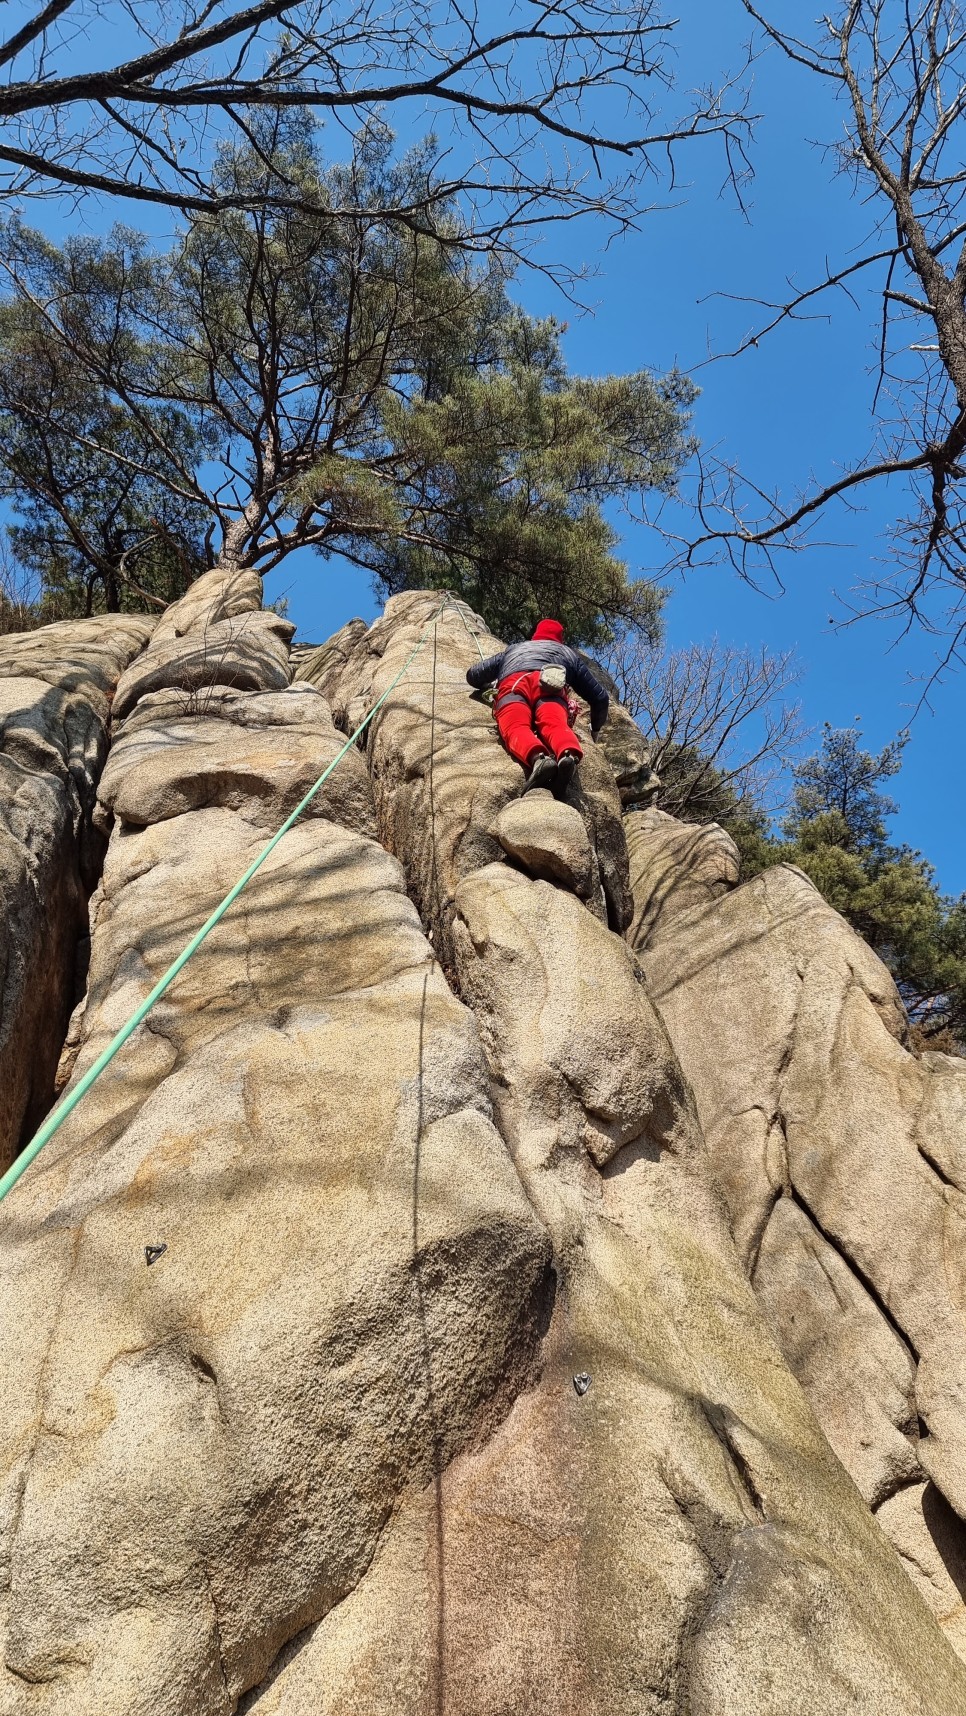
(84, 656)
(674, 866)
(211, 600)
(55, 688)
(840, 1157)
(257, 752)
(574, 1046)
(549, 839)
(248, 653)
(324, 664)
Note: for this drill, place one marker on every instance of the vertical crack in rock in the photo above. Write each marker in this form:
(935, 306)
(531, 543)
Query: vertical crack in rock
(229, 1702)
(937, 1168)
(776, 1007)
(885, 1310)
(939, 1126)
(55, 690)
(758, 1232)
(721, 1422)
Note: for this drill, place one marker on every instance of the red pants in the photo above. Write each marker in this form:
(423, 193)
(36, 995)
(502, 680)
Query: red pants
(530, 727)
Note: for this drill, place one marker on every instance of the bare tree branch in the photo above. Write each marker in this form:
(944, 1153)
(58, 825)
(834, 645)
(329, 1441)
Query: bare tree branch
(720, 728)
(901, 74)
(790, 309)
(34, 27)
(518, 108)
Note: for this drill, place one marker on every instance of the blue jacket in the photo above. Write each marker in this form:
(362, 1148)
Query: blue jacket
(530, 657)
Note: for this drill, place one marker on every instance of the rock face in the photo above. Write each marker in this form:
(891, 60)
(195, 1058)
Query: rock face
(441, 1385)
(248, 652)
(226, 1432)
(550, 841)
(678, 1535)
(472, 774)
(55, 689)
(674, 866)
(842, 1160)
(257, 752)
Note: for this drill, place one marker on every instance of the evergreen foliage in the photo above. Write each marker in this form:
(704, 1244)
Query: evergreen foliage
(327, 376)
(841, 781)
(836, 832)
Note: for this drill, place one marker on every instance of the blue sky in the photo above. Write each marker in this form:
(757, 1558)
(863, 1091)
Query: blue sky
(796, 405)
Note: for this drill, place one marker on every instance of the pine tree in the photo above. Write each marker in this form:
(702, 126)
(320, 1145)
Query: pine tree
(328, 377)
(836, 832)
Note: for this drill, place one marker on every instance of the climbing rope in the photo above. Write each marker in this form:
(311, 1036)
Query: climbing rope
(56, 1118)
(453, 602)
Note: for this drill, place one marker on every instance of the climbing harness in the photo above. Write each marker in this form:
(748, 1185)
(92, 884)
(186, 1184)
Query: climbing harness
(551, 688)
(58, 1115)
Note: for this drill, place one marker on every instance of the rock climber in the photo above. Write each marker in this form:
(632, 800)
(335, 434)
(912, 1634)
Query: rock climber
(532, 708)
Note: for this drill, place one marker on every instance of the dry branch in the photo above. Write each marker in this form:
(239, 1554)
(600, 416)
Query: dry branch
(525, 113)
(900, 73)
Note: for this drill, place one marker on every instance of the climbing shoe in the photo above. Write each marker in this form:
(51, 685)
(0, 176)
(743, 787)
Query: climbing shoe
(566, 767)
(543, 772)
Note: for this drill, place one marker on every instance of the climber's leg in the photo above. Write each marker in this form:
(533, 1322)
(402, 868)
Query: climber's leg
(555, 730)
(515, 721)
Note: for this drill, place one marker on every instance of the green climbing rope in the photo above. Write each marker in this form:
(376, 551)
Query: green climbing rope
(58, 1115)
(460, 606)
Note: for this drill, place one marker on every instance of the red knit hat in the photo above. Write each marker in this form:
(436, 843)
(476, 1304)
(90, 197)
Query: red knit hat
(551, 631)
